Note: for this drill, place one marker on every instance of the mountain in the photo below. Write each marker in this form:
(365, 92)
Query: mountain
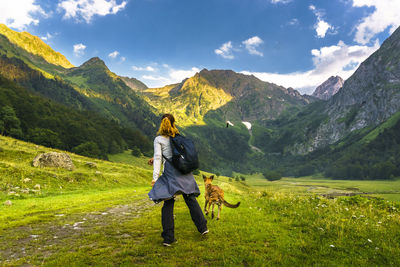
(234, 96)
(32, 117)
(35, 46)
(134, 84)
(91, 87)
(328, 88)
(368, 98)
(111, 96)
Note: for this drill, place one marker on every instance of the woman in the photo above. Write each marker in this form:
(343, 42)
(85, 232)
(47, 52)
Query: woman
(172, 183)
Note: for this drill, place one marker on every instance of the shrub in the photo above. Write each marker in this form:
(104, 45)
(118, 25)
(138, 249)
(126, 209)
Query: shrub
(196, 172)
(272, 175)
(136, 152)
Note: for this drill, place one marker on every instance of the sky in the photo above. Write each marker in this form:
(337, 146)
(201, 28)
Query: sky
(293, 43)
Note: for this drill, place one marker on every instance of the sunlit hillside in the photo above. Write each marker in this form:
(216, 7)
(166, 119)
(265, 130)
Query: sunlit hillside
(35, 46)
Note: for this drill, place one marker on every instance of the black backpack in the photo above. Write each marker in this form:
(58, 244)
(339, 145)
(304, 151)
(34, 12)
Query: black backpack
(184, 154)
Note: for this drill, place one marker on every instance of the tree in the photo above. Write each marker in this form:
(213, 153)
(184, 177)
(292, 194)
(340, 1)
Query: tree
(44, 137)
(10, 125)
(88, 149)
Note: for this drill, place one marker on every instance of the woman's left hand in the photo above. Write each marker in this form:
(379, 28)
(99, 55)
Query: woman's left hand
(152, 183)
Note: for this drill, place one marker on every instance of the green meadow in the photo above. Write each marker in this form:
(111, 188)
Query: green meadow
(100, 215)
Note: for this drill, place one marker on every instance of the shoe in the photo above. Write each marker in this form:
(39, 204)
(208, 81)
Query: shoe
(166, 244)
(205, 232)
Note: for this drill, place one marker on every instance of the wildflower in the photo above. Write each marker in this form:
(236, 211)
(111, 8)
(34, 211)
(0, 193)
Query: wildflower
(376, 248)
(347, 209)
(379, 222)
(332, 246)
(369, 240)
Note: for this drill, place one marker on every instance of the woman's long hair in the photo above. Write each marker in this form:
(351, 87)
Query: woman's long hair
(167, 126)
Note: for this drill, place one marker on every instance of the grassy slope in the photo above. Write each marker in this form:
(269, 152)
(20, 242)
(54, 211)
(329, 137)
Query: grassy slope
(117, 225)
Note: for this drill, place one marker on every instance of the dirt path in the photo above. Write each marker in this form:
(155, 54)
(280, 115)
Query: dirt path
(44, 239)
(254, 148)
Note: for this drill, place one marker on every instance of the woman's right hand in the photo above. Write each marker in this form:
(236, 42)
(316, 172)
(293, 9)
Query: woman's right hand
(151, 161)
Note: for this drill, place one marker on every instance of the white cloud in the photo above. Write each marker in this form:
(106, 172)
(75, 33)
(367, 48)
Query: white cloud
(293, 22)
(170, 77)
(340, 59)
(47, 37)
(252, 44)
(179, 75)
(113, 55)
(148, 68)
(321, 26)
(280, 1)
(123, 59)
(225, 50)
(86, 9)
(386, 14)
(79, 49)
(20, 14)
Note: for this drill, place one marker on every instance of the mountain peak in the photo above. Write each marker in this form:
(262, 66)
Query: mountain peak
(328, 88)
(94, 61)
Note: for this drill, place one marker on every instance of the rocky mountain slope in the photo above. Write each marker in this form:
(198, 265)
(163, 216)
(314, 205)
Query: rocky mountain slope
(368, 98)
(328, 88)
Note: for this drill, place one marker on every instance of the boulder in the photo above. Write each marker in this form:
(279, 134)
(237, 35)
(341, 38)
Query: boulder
(27, 180)
(91, 165)
(53, 159)
(8, 203)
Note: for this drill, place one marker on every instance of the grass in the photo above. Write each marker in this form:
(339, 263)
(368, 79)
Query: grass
(387, 124)
(102, 222)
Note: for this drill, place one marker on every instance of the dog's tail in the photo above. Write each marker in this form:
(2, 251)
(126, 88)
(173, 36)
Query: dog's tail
(230, 205)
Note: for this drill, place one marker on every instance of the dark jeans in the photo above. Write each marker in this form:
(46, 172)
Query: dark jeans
(167, 217)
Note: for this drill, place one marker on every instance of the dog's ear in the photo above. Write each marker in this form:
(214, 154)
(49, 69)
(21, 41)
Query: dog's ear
(212, 177)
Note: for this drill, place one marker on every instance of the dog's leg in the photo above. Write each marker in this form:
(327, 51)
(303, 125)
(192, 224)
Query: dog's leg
(219, 210)
(212, 211)
(205, 208)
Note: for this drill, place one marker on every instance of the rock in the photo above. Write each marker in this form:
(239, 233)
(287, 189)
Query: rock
(37, 186)
(98, 173)
(11, 193)
(53, 159)
(91, 165)
(25, 191)
(26, 180)
(328, 88)
(8, 203)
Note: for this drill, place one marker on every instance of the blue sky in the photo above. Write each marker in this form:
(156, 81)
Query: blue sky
(296, 43)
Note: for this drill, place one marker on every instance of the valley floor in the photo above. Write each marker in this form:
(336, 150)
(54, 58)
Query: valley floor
(109, 221)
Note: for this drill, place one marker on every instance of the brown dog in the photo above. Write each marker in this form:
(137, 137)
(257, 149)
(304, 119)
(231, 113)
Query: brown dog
(214, 195)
